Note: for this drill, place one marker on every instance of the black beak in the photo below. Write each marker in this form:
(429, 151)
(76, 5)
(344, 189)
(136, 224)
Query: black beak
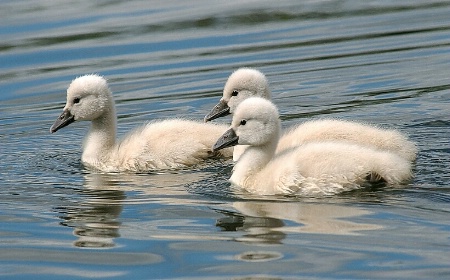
(220, 110)
(228, 139)
(65, 119)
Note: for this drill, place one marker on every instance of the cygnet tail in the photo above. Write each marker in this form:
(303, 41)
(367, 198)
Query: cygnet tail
(375, 178)
(394, 170)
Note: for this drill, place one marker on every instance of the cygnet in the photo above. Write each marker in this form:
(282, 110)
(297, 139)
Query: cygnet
(248, 82)
(316, 168)
(167, 144)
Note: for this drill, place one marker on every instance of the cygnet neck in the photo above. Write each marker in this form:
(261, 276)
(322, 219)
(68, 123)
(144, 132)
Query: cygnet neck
(101, 138)
(253, 160)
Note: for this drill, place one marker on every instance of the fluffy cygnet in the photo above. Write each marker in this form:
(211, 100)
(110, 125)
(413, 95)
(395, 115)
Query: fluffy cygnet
(248, 82)
(242, 84)
(316, 168)
(166, 144)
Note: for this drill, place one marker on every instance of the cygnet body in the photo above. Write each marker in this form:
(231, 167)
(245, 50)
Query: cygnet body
(316, 168)
(248, 82)
(166, 144)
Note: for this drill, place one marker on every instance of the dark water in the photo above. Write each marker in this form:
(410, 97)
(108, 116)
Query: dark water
(384, 62)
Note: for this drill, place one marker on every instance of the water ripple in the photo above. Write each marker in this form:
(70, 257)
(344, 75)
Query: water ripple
(382, 62)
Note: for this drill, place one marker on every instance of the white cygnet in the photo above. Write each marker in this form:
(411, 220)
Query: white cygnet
(248, 82)
(167, 144)
(316, 168)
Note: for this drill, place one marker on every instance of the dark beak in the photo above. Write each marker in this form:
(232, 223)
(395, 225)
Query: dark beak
(228, 139)
(220, 110)
(65, 119)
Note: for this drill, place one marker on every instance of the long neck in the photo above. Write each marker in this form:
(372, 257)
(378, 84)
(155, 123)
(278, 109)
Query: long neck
(253, 160)
(238, 151)
(101, 139)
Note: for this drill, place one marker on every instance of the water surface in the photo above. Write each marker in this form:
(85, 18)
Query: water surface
(383, 62)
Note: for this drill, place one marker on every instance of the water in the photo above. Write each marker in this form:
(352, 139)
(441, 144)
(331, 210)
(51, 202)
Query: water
(383, 62)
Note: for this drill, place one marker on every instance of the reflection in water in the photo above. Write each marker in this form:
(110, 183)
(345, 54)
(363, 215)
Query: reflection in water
(259, 256)
(260, 229)
(267, 222)
(95, 220)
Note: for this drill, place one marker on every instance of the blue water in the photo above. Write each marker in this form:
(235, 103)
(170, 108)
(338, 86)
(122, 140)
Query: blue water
(383, 62)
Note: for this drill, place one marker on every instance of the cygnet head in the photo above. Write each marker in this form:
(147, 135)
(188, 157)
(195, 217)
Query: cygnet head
(88, 98)
(255, 123)
(242, 84)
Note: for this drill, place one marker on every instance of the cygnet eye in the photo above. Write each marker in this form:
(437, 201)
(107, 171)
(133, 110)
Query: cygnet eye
(243, 122)
(234, 93)
(76, 100)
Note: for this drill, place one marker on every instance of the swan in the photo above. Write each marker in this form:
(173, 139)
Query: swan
(166, 144)
(248, 82)
(315, 168)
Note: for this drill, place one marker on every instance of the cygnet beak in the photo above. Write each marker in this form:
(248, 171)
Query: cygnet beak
(65, 119)
(220, 110)
(228, 139)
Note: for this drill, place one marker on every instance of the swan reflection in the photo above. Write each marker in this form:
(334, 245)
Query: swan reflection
(267, 222)
(96, 218)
